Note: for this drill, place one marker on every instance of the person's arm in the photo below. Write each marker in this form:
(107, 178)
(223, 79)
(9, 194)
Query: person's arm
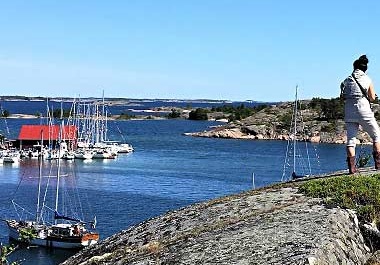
(371, 92)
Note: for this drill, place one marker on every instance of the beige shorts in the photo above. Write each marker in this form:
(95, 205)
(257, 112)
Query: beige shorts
(370, 126)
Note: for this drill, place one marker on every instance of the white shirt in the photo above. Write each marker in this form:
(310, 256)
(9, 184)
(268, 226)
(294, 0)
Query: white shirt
(357, 106)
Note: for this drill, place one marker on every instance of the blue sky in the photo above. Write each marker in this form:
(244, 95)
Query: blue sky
(190, 49)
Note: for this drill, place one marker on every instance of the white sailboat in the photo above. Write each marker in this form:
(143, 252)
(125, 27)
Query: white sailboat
(298, 158)
(91, 119)
(62, 231)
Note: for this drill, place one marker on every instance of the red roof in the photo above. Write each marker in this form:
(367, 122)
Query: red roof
(37, 132)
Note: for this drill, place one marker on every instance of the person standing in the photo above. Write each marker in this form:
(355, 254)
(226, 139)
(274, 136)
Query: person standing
(358, 91)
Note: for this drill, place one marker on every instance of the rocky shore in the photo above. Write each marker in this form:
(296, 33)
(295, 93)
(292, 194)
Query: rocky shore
(270, 124)
(274, 225)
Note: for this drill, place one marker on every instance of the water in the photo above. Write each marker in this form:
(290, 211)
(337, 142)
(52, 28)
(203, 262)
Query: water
(167, 171)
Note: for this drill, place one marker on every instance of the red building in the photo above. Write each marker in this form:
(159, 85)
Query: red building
(31, 135)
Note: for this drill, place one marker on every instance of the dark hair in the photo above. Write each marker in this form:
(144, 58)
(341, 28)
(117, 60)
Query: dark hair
(361, 63)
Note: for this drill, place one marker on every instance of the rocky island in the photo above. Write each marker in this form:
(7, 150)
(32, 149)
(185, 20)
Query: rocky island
(321, 125)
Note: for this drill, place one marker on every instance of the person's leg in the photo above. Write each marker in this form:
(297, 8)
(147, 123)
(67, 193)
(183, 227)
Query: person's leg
(372, 128)
(376, 146)
(350, 150)
(352, 130)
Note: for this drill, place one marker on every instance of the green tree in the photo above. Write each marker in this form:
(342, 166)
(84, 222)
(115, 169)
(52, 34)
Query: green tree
(5, 251)
(198, 114)
(174, 114)
(238, 112)
(5, 113)
(329, 109)
(26, 235)
(125, 116)
(58, 113)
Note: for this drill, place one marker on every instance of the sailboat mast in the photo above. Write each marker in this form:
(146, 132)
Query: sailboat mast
(47, 111)
(39, 180)
(97, 126)
(58, 169)
(103, 138)
(295, 130)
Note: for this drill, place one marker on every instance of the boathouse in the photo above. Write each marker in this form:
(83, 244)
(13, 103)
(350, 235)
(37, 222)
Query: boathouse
(46, 135)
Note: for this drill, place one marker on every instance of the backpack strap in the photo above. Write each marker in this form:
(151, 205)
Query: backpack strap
(361, 88)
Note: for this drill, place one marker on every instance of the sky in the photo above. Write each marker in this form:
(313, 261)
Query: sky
(185, 49)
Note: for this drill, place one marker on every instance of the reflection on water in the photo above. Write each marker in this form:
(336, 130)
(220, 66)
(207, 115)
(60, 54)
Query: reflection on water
(41, 256)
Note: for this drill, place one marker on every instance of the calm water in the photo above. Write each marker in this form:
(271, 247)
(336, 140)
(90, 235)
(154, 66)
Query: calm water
(167, 171)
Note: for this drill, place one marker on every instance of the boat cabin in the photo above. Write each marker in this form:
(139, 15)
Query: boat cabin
(66, 230)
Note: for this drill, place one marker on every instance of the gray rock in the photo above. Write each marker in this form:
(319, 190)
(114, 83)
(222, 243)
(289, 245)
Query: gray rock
(270, 226)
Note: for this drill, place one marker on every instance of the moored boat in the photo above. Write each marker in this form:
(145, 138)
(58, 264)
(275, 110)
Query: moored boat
(11, 157)
(48, 227)
(83, 154)
(103, 154)
(68, 236)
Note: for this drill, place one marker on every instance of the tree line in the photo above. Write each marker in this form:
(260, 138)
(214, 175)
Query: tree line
(230, 112)
(327, 109)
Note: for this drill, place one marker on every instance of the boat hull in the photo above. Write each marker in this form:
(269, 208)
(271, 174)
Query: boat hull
(52, 241)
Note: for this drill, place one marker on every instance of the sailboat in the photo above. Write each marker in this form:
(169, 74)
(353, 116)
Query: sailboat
(298, 160)
(62, 230)
(91, 119)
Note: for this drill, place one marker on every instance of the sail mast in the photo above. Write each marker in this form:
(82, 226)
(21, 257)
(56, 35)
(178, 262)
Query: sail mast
(58, 169)
(103, 138)
(39, 180)
(295, 130)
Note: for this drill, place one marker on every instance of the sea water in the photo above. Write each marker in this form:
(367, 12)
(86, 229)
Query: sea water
(167, 171)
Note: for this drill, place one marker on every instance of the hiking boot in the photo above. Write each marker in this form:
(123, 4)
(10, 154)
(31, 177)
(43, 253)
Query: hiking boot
(376, 158)
(351, 164)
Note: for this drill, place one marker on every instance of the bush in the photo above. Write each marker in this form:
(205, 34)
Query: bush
(198, 114)
(328, 128)
(58, 113)
(239, 112)
(125, 116)
(286, 120)
(5, 113)
(329, 109)
(174, 114)
(360, 193)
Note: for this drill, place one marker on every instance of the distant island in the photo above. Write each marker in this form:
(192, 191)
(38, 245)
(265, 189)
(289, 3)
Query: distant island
(322, 118)
(133, 108)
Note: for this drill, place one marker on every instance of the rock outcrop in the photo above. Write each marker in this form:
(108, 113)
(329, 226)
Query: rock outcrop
(273, 123)
(276, 225)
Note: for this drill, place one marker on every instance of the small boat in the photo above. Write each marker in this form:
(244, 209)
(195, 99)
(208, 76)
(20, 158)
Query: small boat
(115, 146)
(51, 155)
(11, 157)
(125, 148)
(32, 154)
(103, 154)
(83, 154)
(68, 155)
